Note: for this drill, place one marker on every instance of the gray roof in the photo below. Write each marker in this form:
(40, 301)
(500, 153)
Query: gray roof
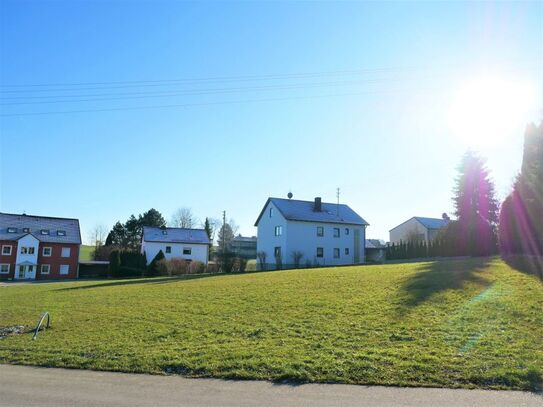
(175, 235)
(38, 223)
(432, 223)
(240, 238)
(375, 244)
(303, 211)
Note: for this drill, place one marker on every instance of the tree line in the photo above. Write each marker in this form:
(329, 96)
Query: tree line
(481, 227)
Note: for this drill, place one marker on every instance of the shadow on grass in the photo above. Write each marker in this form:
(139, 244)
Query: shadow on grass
(532, 265)
(438, 276)
(156, 280)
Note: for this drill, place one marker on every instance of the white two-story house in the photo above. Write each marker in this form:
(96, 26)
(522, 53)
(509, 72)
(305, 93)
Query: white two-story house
(294, 233)
(188, 244)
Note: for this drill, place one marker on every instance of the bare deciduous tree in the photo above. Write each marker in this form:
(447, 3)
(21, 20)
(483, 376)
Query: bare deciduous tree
(184, 218)
(97, 235)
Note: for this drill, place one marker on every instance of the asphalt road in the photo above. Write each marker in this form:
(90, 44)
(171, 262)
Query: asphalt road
(34, 386)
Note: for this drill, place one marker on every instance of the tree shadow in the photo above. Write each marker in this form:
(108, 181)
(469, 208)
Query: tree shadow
(526, 264)
(440, 275)
(150, 281)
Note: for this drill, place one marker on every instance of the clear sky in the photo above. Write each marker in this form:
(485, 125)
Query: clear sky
(111, 108)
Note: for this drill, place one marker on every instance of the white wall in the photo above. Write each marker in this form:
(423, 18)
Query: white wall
(266, 239)
(401, 232)
(27, 241)
(199, 251)
(302, 236)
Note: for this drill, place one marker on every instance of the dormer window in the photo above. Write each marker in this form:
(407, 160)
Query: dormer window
(44, 231)
(26, 230)
(12, 230)
(61, 233)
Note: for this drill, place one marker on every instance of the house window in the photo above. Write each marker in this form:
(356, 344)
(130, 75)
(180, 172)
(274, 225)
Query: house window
(47, 251)
(45, 269)
(320, 231)
(336, 232)
(12, 230)
(27, 250)
(64, 269)
(336, 253)
(187, 251)
(44, 231)
(26, 230)
(278, 230)
(277, 251)
(346, 231)
(65, 252)
(168, 249)
(271, 212)
(61, 233)
(6, 250)
(346, 251)
(4, 268)
(320, 252)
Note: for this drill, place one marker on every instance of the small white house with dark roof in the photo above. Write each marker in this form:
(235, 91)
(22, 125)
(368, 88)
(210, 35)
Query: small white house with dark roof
(188, 244)
(320, 233)
(418, 228)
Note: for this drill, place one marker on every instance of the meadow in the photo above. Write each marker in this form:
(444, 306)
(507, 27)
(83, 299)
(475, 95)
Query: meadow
(473, 323)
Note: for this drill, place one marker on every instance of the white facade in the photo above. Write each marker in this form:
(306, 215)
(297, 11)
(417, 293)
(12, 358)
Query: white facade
(339, 244)
(26, 261)
(186, 251)
(413, 229)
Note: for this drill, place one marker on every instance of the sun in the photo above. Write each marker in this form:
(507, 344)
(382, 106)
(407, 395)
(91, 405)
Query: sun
(486, 111)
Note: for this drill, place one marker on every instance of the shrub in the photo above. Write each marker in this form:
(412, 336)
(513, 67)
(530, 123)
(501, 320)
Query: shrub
(114, 263)
(197, 267)
(153, 270)
(177, 266)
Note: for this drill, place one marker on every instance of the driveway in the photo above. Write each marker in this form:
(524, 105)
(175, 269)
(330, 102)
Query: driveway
(34, 386)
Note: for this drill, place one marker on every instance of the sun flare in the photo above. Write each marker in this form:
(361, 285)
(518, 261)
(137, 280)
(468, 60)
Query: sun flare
(488, 110)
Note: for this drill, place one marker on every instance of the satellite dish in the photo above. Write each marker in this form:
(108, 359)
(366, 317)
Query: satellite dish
(290, 195)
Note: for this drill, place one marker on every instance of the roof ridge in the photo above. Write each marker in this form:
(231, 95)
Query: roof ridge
(37, 216)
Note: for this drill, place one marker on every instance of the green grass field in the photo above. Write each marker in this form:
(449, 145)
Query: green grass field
(85, 253)
(462, 323)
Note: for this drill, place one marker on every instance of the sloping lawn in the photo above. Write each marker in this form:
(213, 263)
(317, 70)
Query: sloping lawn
(461, 323)
(85, 253)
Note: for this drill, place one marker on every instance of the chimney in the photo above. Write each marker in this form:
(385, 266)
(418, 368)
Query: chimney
(318, 205)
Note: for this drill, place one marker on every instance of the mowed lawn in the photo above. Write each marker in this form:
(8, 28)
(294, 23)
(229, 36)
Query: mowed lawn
(85, 253)
(461, 323)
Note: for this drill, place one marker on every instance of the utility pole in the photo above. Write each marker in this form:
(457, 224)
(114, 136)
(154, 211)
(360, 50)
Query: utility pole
(223, 230)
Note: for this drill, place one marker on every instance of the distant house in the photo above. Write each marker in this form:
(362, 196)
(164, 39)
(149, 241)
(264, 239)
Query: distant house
(321, 233)
(188, 244)
(38, 247)
(418, 228)
(375, 250)
(244, 247)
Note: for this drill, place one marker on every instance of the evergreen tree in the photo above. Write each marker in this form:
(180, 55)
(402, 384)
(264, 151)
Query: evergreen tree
(226, 235)
(208, 229)
(152, 270)
(476, 208)
(114, 263)
(152, 218)
(133, 232)
(521, 216)
(117, 236)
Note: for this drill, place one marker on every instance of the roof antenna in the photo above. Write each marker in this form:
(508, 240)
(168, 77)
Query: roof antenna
(289, 195)
(337, 195)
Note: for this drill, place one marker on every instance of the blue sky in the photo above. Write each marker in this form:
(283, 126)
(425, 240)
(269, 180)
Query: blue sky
(268, 98)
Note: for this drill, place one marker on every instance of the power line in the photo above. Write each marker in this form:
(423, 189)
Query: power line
(144, 95)
(198, 104)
